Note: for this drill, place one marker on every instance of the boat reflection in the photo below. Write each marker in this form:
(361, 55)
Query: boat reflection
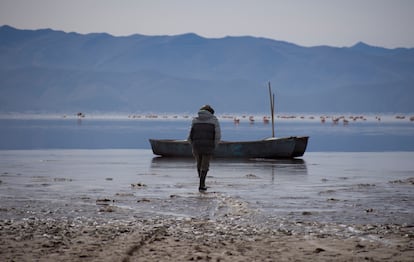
(258, 167)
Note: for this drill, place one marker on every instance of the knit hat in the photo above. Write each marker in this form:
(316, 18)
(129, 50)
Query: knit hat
(208, 108)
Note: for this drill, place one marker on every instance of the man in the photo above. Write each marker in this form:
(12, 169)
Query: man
(204, 136)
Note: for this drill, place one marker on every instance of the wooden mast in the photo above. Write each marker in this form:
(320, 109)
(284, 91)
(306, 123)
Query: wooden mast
(272, 109)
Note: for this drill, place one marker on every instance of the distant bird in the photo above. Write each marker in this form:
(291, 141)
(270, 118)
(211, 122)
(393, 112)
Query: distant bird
(251, 119)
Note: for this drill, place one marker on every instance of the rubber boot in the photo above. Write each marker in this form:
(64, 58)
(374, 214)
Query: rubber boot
(203, 176)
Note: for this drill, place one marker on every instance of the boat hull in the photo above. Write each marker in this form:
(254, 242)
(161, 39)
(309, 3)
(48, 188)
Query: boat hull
(288, 147)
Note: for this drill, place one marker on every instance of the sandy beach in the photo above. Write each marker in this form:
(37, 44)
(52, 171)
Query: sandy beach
(230, 237)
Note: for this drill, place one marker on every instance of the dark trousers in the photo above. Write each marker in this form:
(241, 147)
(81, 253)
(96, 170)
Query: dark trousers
(203, 162)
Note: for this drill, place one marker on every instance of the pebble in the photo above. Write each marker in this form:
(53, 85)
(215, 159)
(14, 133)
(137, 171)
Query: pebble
(251, 176)
(143, 200)
(318, 250)
(138, 185)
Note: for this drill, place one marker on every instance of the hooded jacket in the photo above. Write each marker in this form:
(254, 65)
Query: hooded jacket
(205, 133)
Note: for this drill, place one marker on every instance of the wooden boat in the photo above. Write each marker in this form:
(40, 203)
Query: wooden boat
(288, 147)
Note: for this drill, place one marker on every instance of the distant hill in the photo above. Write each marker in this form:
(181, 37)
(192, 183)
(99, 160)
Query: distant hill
(47, 70)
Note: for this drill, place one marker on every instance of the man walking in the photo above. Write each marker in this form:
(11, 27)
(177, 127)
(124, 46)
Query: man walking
(204, 136)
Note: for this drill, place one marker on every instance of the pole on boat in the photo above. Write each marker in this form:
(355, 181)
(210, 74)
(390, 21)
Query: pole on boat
(272, 109)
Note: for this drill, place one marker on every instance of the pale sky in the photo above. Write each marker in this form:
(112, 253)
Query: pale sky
(386, 23)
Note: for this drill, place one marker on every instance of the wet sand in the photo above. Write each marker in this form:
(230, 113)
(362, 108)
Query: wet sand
(125, 206)
(229, 237)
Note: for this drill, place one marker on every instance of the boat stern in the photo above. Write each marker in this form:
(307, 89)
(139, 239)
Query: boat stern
(301, 143)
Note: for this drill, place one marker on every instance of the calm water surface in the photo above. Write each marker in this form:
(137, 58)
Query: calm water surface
(367, 136)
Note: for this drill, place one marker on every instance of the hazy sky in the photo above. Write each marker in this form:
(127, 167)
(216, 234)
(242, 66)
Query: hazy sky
(387, 23)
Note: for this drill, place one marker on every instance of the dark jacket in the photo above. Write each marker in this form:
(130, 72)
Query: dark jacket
(205, 133)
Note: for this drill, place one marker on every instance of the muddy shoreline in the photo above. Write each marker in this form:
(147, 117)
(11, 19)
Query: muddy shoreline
(235, 234)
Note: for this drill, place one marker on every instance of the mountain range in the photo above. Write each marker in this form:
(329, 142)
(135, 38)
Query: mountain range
(53, 71)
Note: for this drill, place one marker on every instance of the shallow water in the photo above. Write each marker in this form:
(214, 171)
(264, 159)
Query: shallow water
(324, 187)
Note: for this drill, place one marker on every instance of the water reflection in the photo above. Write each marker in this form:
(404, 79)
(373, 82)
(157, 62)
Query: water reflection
(265, 168)
(282, 167)
(255, 181)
